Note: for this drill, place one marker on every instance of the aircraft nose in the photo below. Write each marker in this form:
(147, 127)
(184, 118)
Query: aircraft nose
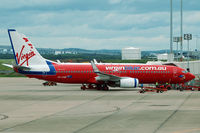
(191, 76)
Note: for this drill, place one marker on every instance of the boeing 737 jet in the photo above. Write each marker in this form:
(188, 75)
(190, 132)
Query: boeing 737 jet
(101, 75)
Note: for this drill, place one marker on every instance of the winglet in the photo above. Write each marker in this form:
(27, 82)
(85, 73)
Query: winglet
(95, 61)
(95, 69)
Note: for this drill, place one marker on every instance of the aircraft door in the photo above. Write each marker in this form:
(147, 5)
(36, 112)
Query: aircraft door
(175, 72)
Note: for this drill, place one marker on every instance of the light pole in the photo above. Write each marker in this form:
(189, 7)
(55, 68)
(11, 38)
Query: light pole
(177, 40)
(197, 50)
(188, 37)
(181, 29)
(171, 27)
(197, 37)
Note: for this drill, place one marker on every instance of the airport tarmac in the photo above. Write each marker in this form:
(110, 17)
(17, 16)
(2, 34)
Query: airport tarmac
(28, 107)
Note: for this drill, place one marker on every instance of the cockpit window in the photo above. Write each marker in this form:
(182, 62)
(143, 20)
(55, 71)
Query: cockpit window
(184, 71)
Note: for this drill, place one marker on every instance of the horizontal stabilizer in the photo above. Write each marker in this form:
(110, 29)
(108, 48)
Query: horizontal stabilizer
(23, 68)
(8, 65)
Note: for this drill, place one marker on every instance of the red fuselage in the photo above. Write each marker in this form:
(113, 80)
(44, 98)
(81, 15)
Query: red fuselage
(83, 73)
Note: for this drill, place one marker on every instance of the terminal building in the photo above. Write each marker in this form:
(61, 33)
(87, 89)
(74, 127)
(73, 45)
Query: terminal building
(165, 56)
(131, 53)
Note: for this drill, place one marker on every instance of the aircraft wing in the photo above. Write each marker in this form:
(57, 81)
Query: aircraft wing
(104, 76)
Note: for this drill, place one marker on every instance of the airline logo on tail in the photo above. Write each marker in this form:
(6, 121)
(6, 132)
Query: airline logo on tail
(25, 57)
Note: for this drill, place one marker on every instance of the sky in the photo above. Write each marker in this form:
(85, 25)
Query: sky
(99, 24)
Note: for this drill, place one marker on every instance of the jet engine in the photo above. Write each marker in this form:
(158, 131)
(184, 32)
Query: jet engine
(129, 83)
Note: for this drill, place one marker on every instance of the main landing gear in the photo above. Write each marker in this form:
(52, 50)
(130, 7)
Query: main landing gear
(94, 87)
(49, 83)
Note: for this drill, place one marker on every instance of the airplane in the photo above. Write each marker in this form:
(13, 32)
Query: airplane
(91, 75)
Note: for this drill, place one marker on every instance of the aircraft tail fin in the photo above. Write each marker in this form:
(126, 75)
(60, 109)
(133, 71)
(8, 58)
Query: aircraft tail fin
(25, 53)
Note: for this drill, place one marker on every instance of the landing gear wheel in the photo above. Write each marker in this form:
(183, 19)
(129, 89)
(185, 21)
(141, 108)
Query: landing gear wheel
(95, 87)
(83, 87)
(142, 91)
(105, 87)
(102, 87)
(49, 83)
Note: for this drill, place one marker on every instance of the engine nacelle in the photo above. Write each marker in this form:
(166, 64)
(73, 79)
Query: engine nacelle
(129, 83)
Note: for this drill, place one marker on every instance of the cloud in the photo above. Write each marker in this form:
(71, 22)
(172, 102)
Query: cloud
(104, 23)
(119, 43)
(115, 1)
